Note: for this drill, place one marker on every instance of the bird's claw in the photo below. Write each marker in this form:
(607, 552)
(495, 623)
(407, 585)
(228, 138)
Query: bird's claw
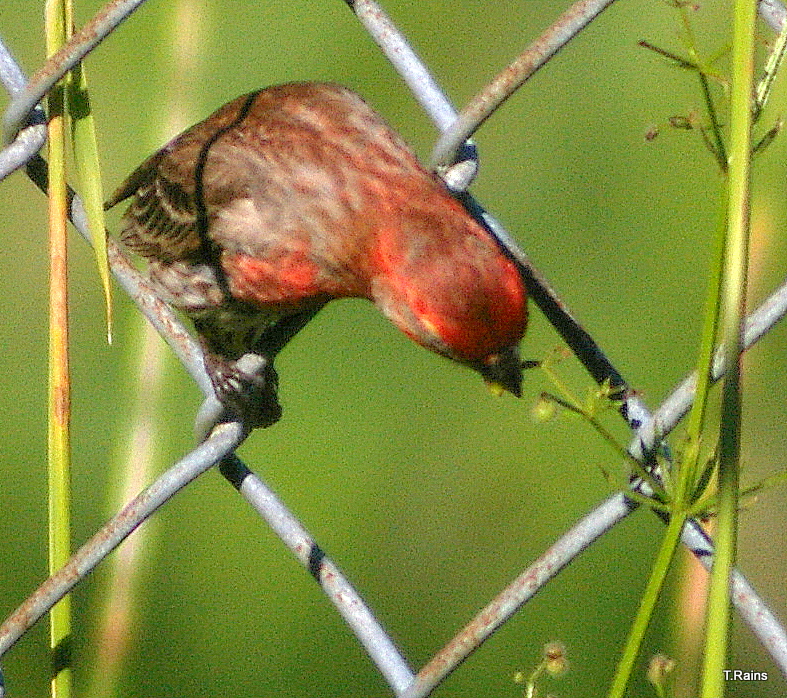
(246, 390)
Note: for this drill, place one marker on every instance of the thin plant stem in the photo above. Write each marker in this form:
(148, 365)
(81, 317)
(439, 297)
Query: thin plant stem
(59, 450)
(734, 299)
(719, 149)
(647, 605)
(687, 475)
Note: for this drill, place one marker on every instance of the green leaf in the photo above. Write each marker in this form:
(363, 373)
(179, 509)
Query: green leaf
(88, 171)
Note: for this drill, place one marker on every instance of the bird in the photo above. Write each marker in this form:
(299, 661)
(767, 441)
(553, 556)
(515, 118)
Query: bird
(297, 194)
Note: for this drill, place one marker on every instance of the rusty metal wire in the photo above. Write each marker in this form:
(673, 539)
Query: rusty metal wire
(106, 20)
(351, 606)
(30, 139)
(224, 439)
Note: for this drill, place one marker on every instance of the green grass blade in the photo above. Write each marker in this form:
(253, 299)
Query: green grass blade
(85, 150)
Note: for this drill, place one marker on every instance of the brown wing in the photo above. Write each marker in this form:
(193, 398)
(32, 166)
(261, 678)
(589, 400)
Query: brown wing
(161, 221)
(278, 172)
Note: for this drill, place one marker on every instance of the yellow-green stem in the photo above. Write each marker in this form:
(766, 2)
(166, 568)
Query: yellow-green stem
(689, 466)
(57, 24)
(646, 606)
(733, 298)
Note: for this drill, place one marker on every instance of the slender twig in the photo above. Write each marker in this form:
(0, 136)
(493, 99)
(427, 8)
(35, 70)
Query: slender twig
(82, 43)
(716, 144)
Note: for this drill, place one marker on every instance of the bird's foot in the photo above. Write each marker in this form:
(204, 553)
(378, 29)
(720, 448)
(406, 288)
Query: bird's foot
(246, 390)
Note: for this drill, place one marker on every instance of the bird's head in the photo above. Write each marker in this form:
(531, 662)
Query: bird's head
(451, 289)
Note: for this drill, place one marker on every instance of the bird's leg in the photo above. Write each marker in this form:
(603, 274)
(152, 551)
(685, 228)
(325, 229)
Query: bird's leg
(246, 389)
(276, 336)
(247, 386)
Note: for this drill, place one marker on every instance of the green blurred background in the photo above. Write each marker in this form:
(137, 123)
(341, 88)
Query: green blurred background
(427, 491)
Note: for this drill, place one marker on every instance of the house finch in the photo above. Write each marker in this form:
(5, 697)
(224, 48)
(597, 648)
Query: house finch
(291, 196)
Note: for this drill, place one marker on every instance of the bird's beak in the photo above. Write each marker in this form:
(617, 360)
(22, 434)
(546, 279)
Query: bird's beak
(503, 371)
